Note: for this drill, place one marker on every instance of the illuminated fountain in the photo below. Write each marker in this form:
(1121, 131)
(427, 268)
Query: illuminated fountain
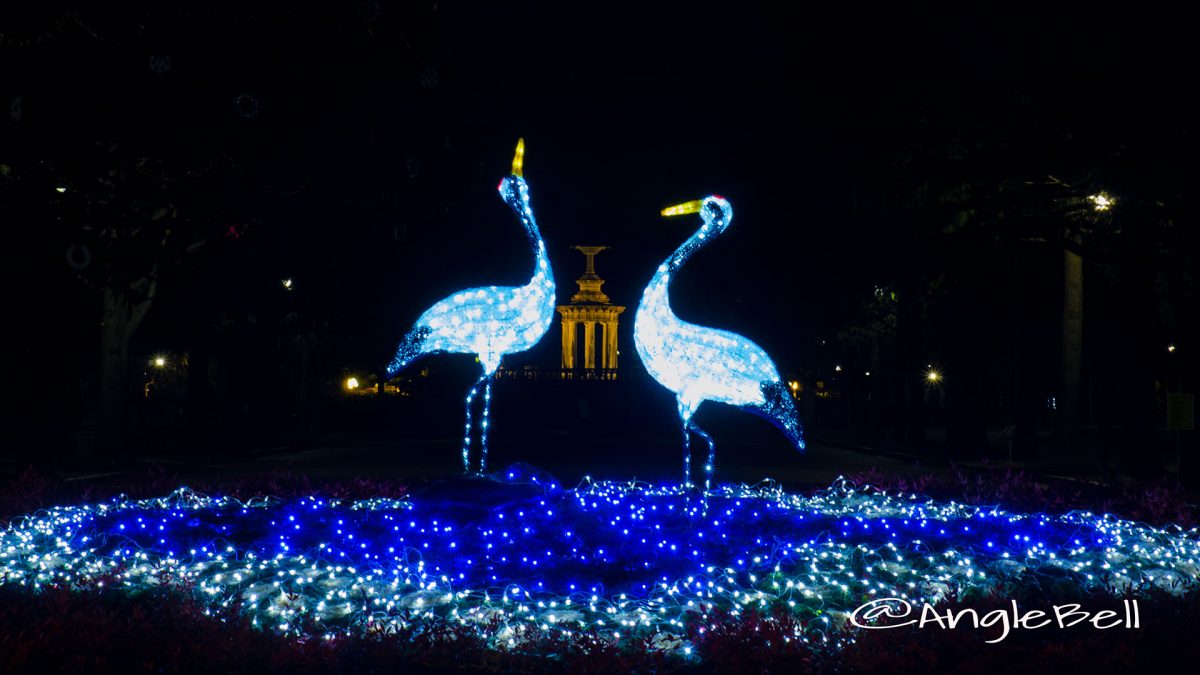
(705, 364)
(592, 309)
(489, 322)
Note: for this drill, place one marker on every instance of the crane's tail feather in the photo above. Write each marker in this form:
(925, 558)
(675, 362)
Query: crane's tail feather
(780, 409)
(411, 347)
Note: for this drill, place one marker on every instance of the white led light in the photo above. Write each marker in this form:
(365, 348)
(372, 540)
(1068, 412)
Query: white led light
(705, 364)
(363, 564)
(489, 322)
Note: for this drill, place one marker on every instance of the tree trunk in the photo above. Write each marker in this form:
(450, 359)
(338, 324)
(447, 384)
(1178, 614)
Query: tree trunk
(1071, 363)
(909, 367)
(197, 412)
(1140, 454)
(120, 318)
(1024, 406)
(263, 399)
(1189, 370)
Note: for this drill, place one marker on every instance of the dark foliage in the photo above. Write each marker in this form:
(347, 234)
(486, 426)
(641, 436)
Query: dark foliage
(1153, 503)
(755, 643)
(102, 630)
(32, 490)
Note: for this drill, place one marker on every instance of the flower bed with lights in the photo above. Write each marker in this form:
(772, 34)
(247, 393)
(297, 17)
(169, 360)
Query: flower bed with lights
(515, 555)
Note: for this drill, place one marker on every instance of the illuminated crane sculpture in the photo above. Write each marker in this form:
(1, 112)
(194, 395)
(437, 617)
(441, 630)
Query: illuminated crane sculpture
(491, 321)
(705, 364)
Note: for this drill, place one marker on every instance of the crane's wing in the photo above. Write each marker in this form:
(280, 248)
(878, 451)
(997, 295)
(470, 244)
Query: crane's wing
(709, 364)
(489, 321)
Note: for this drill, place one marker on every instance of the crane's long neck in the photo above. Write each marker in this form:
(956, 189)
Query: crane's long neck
(655, 297)
(516, 193)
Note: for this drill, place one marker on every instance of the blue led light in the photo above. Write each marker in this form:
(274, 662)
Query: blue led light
(705, 364)
(647, 561)
(489, 322)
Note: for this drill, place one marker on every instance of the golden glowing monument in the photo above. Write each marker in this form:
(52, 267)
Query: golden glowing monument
(590, 307)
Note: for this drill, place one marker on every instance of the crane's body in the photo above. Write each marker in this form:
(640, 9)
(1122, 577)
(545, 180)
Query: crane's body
(702, 364)
(693, 361)
(491, 321)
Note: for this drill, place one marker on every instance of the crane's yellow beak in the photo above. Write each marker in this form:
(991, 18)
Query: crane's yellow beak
(683, 209)
(519, 159)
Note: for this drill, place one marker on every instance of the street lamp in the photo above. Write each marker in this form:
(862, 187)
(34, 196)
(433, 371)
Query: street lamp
(933, 377)
(1101, 201)
(351, 383)
(160, 362)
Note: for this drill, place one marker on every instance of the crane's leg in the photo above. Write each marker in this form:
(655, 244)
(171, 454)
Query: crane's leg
(483, 427)
(711, 465)
(687, 457)
(466, 448)
(685, 414)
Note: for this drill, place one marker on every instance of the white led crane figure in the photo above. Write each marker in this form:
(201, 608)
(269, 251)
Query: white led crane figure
(490, 321)
(705, 364)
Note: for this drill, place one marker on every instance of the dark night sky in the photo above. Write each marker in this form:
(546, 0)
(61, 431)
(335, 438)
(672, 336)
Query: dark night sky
(624, 109)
